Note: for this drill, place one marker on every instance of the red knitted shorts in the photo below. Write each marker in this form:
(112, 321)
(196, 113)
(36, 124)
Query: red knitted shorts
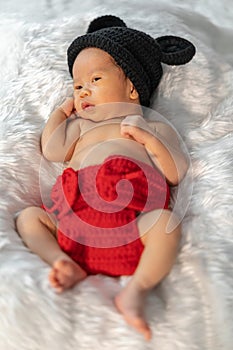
(97, 208)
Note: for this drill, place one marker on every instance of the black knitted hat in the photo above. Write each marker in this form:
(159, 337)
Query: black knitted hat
(137, 53)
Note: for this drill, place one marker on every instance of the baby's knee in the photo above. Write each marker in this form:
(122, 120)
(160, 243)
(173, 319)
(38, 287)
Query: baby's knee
(27, 217)
(159, 222)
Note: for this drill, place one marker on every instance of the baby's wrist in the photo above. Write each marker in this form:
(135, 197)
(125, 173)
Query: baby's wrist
(63, 111)
(150, 139)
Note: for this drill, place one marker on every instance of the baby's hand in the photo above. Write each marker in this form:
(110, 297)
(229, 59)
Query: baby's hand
(68, 106)
(136, 127)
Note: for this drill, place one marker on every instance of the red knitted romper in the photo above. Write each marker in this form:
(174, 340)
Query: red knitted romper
(97, 211)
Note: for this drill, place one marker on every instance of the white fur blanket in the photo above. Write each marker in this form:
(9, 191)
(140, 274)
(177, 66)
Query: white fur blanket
(193, 307)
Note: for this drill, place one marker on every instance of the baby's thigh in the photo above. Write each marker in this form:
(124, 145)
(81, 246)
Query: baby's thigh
(32, 217)
(162, 220)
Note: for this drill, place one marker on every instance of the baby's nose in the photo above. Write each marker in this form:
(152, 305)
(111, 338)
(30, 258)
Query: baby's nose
(85, 91)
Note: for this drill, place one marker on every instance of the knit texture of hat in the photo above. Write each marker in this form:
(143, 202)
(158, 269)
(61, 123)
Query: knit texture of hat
(137, 53)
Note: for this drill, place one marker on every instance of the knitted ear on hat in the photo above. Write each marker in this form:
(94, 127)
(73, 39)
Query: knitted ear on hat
(175, 50)
(106, 21)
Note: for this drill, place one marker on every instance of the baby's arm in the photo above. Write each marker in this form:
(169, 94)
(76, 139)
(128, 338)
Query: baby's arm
(162, 142)
(60, 135)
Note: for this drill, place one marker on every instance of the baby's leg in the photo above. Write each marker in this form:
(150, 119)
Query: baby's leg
(38, 232)
(155, 263)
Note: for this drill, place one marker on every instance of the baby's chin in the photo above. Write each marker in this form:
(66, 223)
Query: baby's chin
(109, 111)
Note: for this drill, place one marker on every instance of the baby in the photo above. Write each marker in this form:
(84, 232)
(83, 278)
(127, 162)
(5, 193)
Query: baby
(110, 207)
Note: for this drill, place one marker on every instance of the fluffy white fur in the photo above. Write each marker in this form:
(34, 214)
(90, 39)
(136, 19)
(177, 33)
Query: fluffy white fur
(192, 308)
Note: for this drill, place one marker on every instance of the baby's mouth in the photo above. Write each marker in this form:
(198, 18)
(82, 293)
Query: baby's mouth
(86, 106)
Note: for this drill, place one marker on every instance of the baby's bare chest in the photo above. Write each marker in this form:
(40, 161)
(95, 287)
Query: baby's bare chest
(101, 142)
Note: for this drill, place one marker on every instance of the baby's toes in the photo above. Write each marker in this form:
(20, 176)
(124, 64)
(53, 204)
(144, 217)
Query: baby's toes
(52, 277)
(65, 274)
(54, 281)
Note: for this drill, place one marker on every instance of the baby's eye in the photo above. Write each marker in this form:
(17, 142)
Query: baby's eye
(78, 87)
(96, 79)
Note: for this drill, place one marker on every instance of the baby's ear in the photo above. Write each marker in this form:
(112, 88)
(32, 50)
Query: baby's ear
(133, 92)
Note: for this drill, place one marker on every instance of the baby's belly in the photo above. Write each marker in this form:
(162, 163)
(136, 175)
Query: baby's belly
(97, 153)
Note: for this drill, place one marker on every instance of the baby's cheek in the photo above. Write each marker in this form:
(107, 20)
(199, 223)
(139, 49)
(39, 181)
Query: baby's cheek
(76, 103)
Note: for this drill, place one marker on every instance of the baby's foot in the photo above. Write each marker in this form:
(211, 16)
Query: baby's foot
(65, 274)
(130, 302)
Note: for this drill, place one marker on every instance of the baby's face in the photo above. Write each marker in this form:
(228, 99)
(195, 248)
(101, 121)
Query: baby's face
(99, 81)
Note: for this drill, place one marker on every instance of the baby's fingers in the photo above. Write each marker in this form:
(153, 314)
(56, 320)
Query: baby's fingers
(68, 106)
(126, 131)
(135, 133)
